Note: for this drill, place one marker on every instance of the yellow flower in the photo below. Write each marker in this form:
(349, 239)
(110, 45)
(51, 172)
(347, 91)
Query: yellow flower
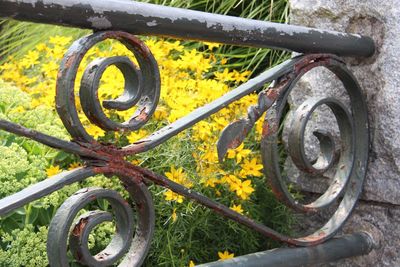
(178, 176)
(243, 189)
(191, 264)
(259, 128)
(225, 255)
(74, 165)
(211, 182)
(225, 76)
(239, 153)
(202, 131)
(41, 47)
(30, 59)
(53, 170)
(135, 162)
(237, 208)
(94, 131)
(60, 40)
(136, 136)
(240, 76)
(232, 181)
(173, 215)
(18, 109)
(161, 113)
(211, 46)
(171, 196)
(251, 168)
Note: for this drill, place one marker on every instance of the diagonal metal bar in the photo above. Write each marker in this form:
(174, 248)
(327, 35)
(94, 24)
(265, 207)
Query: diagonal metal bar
(130, 174)
(205, 111)
(43, 188)
(50, 140)
(149, 19)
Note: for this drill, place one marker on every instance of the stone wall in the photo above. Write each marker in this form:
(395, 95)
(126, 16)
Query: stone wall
(379, 210)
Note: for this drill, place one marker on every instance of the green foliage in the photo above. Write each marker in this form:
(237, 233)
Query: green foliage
(198, 233)
(14, 169)
(12, 97)
(25, 247)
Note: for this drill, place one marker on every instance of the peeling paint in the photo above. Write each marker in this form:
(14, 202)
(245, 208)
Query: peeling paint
(161, 20)
(100, 23)
(152, 23)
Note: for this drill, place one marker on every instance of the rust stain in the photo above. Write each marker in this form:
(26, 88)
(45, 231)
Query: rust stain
(269, 128)
(278, 193)
(311, 61)
(131, 39)
(142, 116)
(79, 227)
(69, 61)
(78, 255)
(316, 238)
(234, 143)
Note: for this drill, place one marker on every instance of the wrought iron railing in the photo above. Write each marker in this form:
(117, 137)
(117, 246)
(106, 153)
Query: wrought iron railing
(118, 19)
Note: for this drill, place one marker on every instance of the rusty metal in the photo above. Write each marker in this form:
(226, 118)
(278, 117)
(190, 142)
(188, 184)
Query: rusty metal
(352, 163)
(142, 90)
(234, 134)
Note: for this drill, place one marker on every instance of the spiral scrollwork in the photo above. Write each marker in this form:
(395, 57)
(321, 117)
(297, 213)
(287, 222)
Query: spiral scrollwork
(348, 161)
(142, 85)
(66, 231)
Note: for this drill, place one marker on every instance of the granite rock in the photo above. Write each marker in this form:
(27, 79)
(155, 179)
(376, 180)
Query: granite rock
(379, 77)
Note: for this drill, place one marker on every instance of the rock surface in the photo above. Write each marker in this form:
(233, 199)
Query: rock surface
(379, 77)
(381, 221)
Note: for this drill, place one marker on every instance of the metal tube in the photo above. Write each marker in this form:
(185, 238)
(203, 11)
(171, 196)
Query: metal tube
(335, 249)
(43, 188)
(149, 19)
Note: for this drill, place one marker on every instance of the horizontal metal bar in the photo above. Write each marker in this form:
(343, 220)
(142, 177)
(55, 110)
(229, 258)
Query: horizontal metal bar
(333, 250)
(149, 19)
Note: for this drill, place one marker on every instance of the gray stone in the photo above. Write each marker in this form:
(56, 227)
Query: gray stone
(381, 222)
(378, 76)
(379, 211)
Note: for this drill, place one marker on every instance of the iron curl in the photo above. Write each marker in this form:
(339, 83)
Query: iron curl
(142, 85)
